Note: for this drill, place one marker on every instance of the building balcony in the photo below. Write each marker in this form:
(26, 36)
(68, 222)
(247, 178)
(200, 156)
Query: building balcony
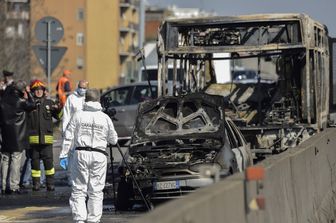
(17, 1)
(125, 30)
(129, 4)
(129, 28)
(134, 26)
(125, 56)
(129, 50)
(17, 15)
(125, 53)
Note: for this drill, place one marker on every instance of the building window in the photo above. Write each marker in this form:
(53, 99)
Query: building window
(80, 39)
(10, 32)
(80, 63)
(80, 14)
(14, 7)
(122, 41)
(135, 43)
(20, 30)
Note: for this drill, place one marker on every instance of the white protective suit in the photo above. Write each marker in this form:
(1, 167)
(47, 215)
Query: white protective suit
(88, 128)
(73, 103)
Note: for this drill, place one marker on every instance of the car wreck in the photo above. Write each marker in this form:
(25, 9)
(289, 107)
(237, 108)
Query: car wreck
(283, 102)
(180, 144)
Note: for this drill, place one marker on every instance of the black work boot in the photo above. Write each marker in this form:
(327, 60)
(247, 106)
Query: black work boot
(50, 183)
(36, 184)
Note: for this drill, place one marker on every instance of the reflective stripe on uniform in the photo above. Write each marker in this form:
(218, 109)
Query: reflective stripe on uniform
(48, 139)
(36, 173)
(60, 114)
(50, 172)
(33, 139)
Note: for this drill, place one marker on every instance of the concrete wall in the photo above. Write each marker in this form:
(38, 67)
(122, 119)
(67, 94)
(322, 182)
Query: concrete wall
(299, 186)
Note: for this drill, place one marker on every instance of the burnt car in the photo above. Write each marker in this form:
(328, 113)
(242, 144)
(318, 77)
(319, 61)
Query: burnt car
(180, 144)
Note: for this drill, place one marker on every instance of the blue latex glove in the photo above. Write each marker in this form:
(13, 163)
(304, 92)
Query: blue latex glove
(64, 163)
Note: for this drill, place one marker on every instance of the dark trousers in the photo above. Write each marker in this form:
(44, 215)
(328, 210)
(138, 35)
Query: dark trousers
(44, 153)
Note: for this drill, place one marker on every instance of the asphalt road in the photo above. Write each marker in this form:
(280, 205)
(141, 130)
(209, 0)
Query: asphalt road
(52, 207)
(51, 213)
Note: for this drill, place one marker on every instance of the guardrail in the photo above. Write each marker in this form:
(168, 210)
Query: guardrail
(298, 186)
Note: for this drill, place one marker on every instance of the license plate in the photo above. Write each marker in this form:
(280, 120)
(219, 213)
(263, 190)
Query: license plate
(167, 185)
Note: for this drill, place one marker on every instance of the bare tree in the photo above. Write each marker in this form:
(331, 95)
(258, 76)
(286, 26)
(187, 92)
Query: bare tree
(15, 38)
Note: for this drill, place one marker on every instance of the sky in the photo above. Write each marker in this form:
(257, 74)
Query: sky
(323, 11)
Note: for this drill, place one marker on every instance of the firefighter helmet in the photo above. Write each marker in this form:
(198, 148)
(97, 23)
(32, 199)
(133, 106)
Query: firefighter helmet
(37, 84)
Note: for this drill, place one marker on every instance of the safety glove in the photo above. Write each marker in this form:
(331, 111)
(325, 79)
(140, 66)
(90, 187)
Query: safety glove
(64, 163)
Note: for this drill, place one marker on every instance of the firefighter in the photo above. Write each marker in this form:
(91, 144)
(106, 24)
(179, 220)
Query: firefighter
(89, 131)
(41, 135)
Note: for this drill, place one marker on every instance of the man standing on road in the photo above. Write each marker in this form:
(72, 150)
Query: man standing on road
(14, 108)
(73, 103)
(6, 83)
(89, 132)
(63, 87)
(41, 135)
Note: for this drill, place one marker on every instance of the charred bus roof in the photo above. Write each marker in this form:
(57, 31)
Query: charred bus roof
(294, 47)
(236, 33)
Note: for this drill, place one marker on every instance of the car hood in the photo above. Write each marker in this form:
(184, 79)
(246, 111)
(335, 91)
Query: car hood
(190, 117)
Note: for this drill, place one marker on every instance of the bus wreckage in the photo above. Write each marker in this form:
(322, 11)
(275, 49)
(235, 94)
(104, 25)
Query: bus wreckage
(272, 71)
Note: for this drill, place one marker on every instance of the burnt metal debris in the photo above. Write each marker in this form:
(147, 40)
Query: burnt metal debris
(180, 144)
(285, 102)
(276, 95)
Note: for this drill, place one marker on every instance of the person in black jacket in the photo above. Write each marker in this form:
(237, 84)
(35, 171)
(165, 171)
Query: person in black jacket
(41, 135)
(8, 81)
(14, 108)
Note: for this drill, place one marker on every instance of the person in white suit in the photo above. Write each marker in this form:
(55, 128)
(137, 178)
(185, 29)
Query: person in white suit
(89, 132)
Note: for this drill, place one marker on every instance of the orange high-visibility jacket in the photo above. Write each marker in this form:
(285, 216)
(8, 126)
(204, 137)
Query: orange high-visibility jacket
(61, 91)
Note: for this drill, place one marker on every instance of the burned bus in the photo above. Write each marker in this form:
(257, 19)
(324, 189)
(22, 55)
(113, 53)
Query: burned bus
(277, 87)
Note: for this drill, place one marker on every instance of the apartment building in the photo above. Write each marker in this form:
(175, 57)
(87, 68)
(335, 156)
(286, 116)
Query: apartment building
(156, 14)
(129, 39)
(100, 37)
